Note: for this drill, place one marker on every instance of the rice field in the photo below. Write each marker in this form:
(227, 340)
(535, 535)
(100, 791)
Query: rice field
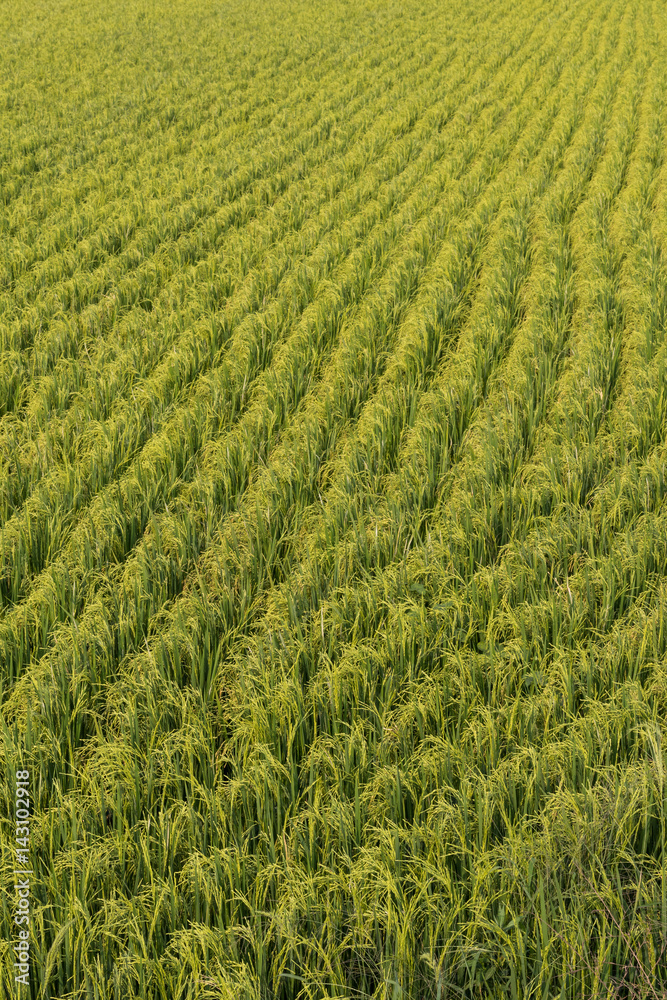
(333, 469)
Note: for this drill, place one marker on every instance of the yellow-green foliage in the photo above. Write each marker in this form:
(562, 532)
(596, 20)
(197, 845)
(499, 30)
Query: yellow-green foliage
(333, 537)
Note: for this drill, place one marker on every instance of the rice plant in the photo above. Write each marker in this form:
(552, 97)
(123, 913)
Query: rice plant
(333, 466)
